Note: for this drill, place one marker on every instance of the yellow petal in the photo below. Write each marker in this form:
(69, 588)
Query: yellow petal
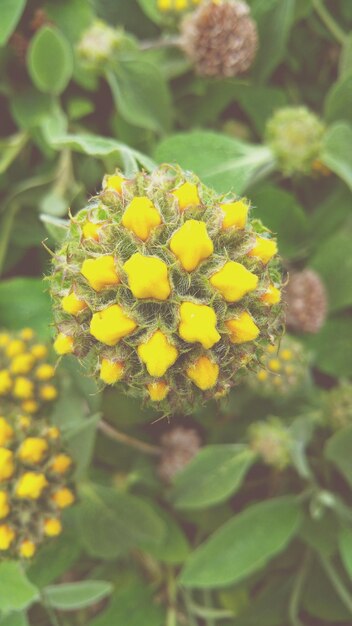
(113, 183)
(235, 214)
(5, 382)
(73, 305)
(187, 196)
(271, 296)
(100, 272)
(48, 393)
(141, 217)
(7, 466)
(61, 463)
(15, 347)
(27, 334)
(7, 535)
(52, 527)
(45, 372)
(111, 324)
(4, 504)
(234, 281)
(158, 354)
(90, 230)
(63, 498)
(198, 323)
(27, 549)
(264, 249)
(63, 344)
(39, 351)
(33, 449)
(111, 371)
(6, 432)
(147, 277)
(158, 390)
(31, 485)
(191, 244)
(23, 388)
(242, 328)
(22, 364)
(203, 372)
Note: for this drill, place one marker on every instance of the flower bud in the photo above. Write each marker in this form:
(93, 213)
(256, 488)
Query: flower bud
(306, 302)
(179, 445)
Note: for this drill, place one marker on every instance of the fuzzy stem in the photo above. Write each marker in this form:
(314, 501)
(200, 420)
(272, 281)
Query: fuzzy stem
(163, 42)
(337, 583)
(329, 22)
(127, 440)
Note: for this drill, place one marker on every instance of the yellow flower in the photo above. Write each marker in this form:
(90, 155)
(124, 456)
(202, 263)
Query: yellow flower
(100, 272)
(53, 432)
(187, 196)
(271, 349)
(191, 244)
(15, 347)
(158, 354)
(262, 375)
(235, 214)
(4, 339)
(27, 549)
(6, 432)
(203, 372)
(24, 421)
(4, 504)
(91, 230)
(147, 277)
(274, 365)
(22, 364)
(234, 281)
(52, 527)
(63, 344)
(31, 485)
(7, 535)
(32, 450)
(198, 323)
(264, 249)
(48, 392)
(61, 463)
(39, 351)
(164, 5)
(286, 354)
(113, 183)
(141, 217)
(242, 328)
(63, 498)
(271, 296)
(7, 466)
(23, 388)
(5, 382)
(27, 334)
(30, 406)
(158, 390)
(111, 371)
(73, 305)
(44, 372)
(111, 325)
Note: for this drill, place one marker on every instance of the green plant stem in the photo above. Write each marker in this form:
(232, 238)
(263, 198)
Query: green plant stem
(188, 604)
(294, 605)
(163, 42)
(6, 228)
(127, 440)
(208, 603)
(337, 583)
(172, 597)
(329, 22)
(53, 617)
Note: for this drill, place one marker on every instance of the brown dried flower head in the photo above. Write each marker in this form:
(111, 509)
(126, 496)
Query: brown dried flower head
(306, 302)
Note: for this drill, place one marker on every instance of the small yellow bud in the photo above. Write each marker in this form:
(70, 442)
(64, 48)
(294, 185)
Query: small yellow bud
(5, 382)
(113, 183)
(73, 305)
(286, 354)
(242, 328)
(23, 388)
(7, 535)
(274, 365)
(234, 281)
(63, 498)
(48, 393)
(203, 372)
(158, 390)
(63, 344)
(14, 348)
(264, 249)
(32, 450)
(91, 231)
(4, 339)
(27, 549)
(198, 323)
(191, 244)
(27, 334)
(235, 214)
(39, 351)
(271, 349)
(164, 5)
(271, 296)
(147, 277)
(111, 324)
(262, 375)
(7, 466)
(30, 406)
(45, 372)
(111, 371)
(31, 485)
(53, 432)
(52, 527)
(61, 463)
(141, 217)
(100, 272)
(22, 364)
(4, 504)
(158, 354)
(6, 432)
(187, 196)
(24, 421)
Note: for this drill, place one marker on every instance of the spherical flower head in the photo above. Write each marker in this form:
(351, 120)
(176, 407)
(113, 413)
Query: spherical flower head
(272, 442)
(220, 38)
(34, 485)
(295, 136)
(178, 447)
(174, 288)
(98, 43)
(24, 372)
(306, 302)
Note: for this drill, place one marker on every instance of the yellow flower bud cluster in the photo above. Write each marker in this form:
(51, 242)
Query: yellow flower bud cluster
(27, 379)
(176, 6)
(165, 287)
(34, 475)
(284, 370)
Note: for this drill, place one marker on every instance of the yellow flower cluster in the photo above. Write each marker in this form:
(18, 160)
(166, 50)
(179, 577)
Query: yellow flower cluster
(165, 286)
(26, 377)
(176, 6)
(33, 484)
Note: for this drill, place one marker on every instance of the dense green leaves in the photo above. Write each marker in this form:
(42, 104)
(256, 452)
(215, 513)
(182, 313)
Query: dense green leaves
(133, 605)
(16, 592)
(50, 60)
(11, 11)
(274, 22)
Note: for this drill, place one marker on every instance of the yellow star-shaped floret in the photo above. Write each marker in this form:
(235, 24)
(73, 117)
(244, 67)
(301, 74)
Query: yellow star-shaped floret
(235, 214)
(72, 304)
(198, 323)
(158, 354)
(141, 217)
(187, 196)
(111, 371)
(191, 244)
(111, 324)
(242, 328)
(158, 390)
(203, 372)
(113, 183)
(271, 296)
(147, 277)
(100, 272)
(234, 281)
(264, 249)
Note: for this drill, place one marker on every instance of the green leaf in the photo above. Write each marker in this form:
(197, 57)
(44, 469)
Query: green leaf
(221, 162)
(338, 451)
(16, 592)
(25, 302)
(345, 548)
(336, 153)
(338, 103)
(212, 476)
(243, 545)
(345, 62)
(111, 522)
(133, 605)
(141, 94)
(151, 10)
(174, 547)
(10, 148)
(330, 348)
(55, 557)
(14, 619)
(11, 11)
(70, 596)
(274, 21)
(321, 599)
(80, 439)
(50, 61)
(56, 227)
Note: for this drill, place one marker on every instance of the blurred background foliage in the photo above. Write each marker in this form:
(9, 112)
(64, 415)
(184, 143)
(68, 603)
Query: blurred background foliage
(240, 514)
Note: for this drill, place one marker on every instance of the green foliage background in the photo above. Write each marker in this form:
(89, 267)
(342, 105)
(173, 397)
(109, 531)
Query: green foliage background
(233, 541)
